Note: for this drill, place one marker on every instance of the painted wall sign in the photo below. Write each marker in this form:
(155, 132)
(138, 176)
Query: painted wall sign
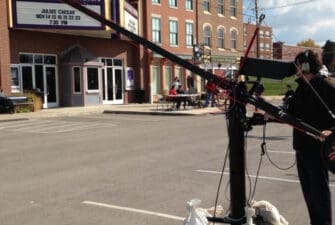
(52, 14)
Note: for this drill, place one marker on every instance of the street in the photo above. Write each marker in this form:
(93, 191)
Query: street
(112, 169)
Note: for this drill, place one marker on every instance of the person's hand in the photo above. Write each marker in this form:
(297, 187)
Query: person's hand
(324, 134)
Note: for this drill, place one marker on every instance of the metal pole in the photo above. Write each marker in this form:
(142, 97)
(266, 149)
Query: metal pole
(236, 116)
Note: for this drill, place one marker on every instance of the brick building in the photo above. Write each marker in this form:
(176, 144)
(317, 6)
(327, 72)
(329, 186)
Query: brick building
(69, 57)
(74, 60)
(171, 25)
(288, 52)
(220, 33)
(265, 41)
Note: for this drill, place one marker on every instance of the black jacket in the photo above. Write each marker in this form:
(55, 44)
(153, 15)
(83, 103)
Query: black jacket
(306, 105)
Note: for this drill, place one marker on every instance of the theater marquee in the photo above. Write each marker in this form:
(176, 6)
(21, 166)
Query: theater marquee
(53, 14)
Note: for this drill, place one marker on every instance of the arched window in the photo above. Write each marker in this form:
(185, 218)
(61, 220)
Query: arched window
(207, 35)
(233, 39)
(221, 38)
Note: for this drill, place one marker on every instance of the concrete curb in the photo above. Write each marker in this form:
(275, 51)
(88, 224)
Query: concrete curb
(153, 113)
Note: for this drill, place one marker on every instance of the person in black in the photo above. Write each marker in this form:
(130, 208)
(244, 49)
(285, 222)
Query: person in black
(307, 105)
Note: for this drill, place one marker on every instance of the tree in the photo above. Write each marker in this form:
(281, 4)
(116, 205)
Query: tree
(308, 43)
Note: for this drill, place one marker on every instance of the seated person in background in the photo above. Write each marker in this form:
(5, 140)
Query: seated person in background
(173, 91)
(181, 99)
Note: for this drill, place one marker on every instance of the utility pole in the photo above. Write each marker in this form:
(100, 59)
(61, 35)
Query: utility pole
(257, 25)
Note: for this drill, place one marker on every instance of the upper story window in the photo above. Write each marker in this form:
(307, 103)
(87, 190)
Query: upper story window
(221, 38)
(156, 1)
(156, 30)
(173, 3)
(207, 35)
(189, 34)
(189, 4)
(261, 33)
(233, 39)
(173, 25)
(207, 5)
(233, 11)
(267, 33)
(221, 7)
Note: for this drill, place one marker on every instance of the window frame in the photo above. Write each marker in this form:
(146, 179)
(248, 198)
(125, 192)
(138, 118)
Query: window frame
(156, 32)
(233, 39)
(88, 89)
(189, 33)
(221, 39)
(173, 32)
(207, 36)
(189, 5)
(74, 79)
(233, 8)
(221, 9)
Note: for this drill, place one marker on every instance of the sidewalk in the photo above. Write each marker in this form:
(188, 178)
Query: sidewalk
(146, 109)
(149, 109)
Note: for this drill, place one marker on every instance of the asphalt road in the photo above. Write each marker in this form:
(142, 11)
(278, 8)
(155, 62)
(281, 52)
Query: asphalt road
(129, 169)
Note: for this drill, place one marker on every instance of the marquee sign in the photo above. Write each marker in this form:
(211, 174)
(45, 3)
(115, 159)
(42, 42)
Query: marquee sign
(52, 14)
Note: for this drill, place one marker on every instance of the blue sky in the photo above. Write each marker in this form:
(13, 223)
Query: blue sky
(293, 21)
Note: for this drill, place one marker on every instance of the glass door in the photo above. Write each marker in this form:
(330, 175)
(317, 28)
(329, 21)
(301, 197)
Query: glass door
(27, 77)
(50, 87)
(112, 85)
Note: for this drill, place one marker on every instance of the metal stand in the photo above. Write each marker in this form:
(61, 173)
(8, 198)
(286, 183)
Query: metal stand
(236, 127)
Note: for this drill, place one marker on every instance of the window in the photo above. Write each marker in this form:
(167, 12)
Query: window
(76, 80)
(155, 80)
(267, 47)
(261, 33)
(15, 78)
(221, 38)
(233, 8)
(267, 33)
(233, 39)
(221, 7)
(168, 77)
(189, 4)
(49, 59)
(156, 1)
(207, 35)
(92, 79)
(26, 58)
(156, 30)
(261, 46)
(173, 3)
(173, 32)
(189, 34)
(207, 6)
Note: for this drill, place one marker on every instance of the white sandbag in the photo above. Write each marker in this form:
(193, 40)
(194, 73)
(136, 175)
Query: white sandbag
(269, 213)
(196, 215)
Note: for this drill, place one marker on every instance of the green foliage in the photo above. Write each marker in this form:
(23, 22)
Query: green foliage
(275, 87)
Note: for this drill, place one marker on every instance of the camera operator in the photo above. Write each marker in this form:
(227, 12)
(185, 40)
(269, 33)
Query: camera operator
(312, 106)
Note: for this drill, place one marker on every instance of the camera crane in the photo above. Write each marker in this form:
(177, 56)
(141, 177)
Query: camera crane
(236, 114)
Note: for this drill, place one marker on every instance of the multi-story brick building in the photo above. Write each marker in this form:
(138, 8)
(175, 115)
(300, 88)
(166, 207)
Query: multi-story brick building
(288, 52)
(172, 26)
(77, 61)
(264, 41)
(220, 32)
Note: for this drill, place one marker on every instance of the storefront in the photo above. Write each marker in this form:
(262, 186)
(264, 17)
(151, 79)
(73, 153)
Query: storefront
(69, 58)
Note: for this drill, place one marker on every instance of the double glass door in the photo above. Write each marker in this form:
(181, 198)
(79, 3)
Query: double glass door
(42, 78)
(112, 85)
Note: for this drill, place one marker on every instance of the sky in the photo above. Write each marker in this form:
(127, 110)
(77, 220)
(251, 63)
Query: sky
(293, 21)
